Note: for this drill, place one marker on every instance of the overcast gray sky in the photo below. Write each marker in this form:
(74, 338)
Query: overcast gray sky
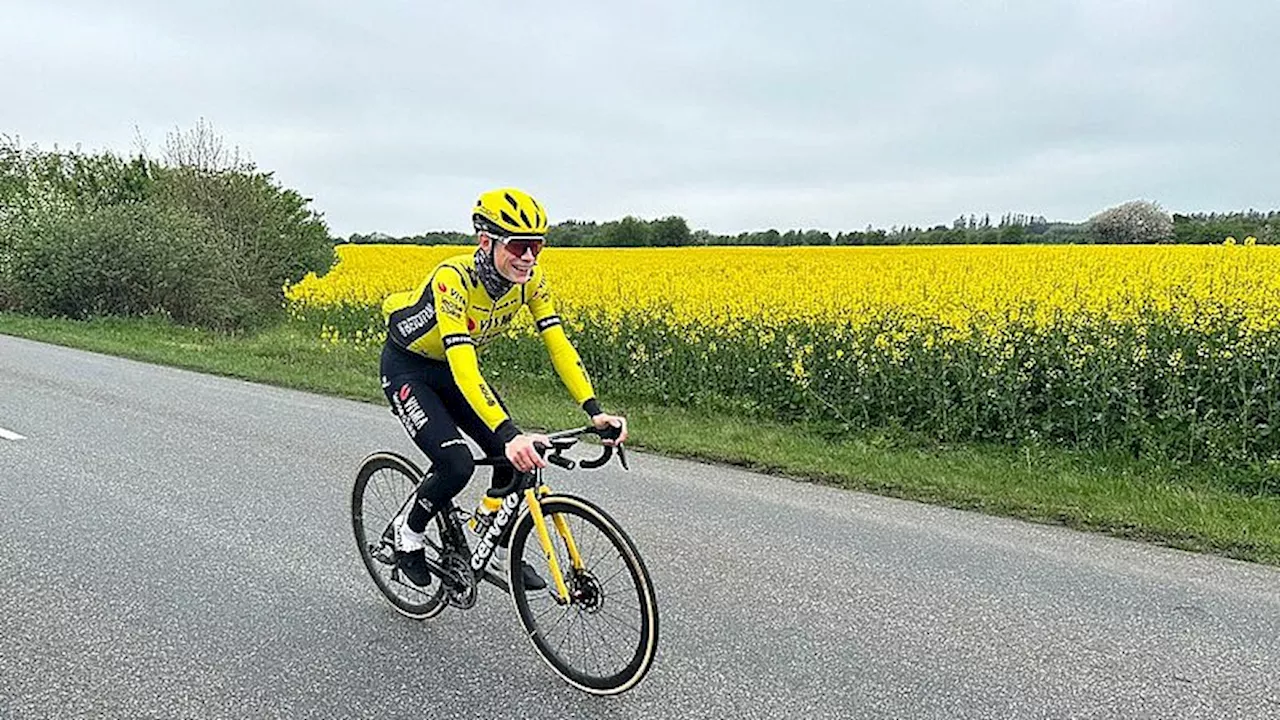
(737, 115)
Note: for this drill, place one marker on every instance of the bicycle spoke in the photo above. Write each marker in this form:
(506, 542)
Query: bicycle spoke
(560, 619)
(551, 607)
(615, 574)
(606, 642)
(381, 488)
(624, 623)
(600, 663)
(388, 506)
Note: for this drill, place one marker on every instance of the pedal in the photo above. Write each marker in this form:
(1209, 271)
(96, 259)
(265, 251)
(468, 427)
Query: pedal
(383, 554)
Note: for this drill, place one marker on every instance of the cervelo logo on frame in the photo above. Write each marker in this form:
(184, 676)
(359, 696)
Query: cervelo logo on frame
(484, 548)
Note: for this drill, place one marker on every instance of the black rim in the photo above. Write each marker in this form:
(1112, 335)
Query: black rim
(379, 491)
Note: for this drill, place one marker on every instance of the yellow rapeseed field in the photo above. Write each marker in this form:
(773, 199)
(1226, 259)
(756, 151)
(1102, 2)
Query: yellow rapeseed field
(959, 286)
(1172, 351)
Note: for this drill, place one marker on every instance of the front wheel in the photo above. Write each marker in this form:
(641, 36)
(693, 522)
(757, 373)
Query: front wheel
(604, 639)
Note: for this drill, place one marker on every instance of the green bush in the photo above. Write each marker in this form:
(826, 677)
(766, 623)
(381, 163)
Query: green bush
(131, 259)
(268, 238)
(75, 238)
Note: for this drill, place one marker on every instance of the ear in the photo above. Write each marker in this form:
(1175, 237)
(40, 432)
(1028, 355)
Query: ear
(483, 240)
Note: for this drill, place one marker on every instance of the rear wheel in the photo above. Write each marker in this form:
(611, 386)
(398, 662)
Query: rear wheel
(605, 638)
(384, 486)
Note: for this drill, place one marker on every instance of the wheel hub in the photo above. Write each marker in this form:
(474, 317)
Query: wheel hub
(587, 593)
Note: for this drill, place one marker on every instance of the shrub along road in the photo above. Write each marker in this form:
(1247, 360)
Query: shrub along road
(177, 544)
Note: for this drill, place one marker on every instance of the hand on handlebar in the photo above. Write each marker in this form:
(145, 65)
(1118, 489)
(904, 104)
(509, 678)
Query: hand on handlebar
(605, 421)
(522, 453)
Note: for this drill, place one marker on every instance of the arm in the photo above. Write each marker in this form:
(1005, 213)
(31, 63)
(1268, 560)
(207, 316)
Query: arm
(564, 357)
(450, 292)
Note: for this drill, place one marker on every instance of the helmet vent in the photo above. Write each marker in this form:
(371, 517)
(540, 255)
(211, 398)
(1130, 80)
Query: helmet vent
(508, 218)
(512, 201)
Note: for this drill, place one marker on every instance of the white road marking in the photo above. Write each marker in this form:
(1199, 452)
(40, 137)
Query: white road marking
(11, 435)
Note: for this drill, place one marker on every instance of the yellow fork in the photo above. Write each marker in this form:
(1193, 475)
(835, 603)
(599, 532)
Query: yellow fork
(544, 537)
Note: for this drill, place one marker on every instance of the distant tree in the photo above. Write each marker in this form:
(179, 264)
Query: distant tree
(816, 237)
(1134, 222)
(670, 232)
(629, 232)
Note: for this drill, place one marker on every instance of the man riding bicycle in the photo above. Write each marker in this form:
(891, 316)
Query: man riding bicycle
(431, 375)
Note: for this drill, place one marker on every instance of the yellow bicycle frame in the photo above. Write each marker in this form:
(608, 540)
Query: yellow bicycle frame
(544, 537)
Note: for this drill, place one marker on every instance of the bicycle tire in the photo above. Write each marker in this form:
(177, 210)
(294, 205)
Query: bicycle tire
(591, 600)
(408, 599)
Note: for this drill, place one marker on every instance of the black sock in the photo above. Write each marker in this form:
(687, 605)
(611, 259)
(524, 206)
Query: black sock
(420, 514)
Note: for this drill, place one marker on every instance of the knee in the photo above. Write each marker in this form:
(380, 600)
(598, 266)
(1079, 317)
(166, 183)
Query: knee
(451, 468)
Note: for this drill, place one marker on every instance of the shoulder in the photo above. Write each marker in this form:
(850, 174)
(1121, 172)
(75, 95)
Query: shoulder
(539, 285)
(463, 269)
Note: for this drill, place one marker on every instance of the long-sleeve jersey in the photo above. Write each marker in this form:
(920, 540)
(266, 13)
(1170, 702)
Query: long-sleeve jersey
(451, 314)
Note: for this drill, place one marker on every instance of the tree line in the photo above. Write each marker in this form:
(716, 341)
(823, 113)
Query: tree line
(1138, 221)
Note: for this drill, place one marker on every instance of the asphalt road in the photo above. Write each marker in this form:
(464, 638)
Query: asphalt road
(178, 545)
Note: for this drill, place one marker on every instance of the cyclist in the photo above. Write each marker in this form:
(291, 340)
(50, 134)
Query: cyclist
(431, 375)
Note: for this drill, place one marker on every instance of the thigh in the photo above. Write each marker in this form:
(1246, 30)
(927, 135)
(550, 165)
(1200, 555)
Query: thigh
(409, 386)
(456, 403)
(424, 416)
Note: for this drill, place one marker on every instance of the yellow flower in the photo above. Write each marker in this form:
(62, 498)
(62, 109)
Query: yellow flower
(705, 295)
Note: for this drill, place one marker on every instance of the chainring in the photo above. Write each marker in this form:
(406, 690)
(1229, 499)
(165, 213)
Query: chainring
(460, 591)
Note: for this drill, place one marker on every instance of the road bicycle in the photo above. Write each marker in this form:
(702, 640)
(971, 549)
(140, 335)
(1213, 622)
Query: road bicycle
(595, 623)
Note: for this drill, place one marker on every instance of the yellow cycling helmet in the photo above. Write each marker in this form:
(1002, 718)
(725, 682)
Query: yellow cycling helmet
(508, 211)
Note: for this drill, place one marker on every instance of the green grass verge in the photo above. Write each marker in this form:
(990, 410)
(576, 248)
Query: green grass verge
(1199, 509)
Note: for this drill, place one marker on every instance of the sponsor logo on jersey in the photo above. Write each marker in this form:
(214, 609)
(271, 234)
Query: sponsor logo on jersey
(457, 339)
(416, 321)
(409, 411)
(451, 308)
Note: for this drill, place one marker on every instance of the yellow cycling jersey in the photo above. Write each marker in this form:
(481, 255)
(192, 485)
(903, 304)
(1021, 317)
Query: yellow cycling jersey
(451, 314)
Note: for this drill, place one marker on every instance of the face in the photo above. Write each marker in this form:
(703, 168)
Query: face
(518, 268)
